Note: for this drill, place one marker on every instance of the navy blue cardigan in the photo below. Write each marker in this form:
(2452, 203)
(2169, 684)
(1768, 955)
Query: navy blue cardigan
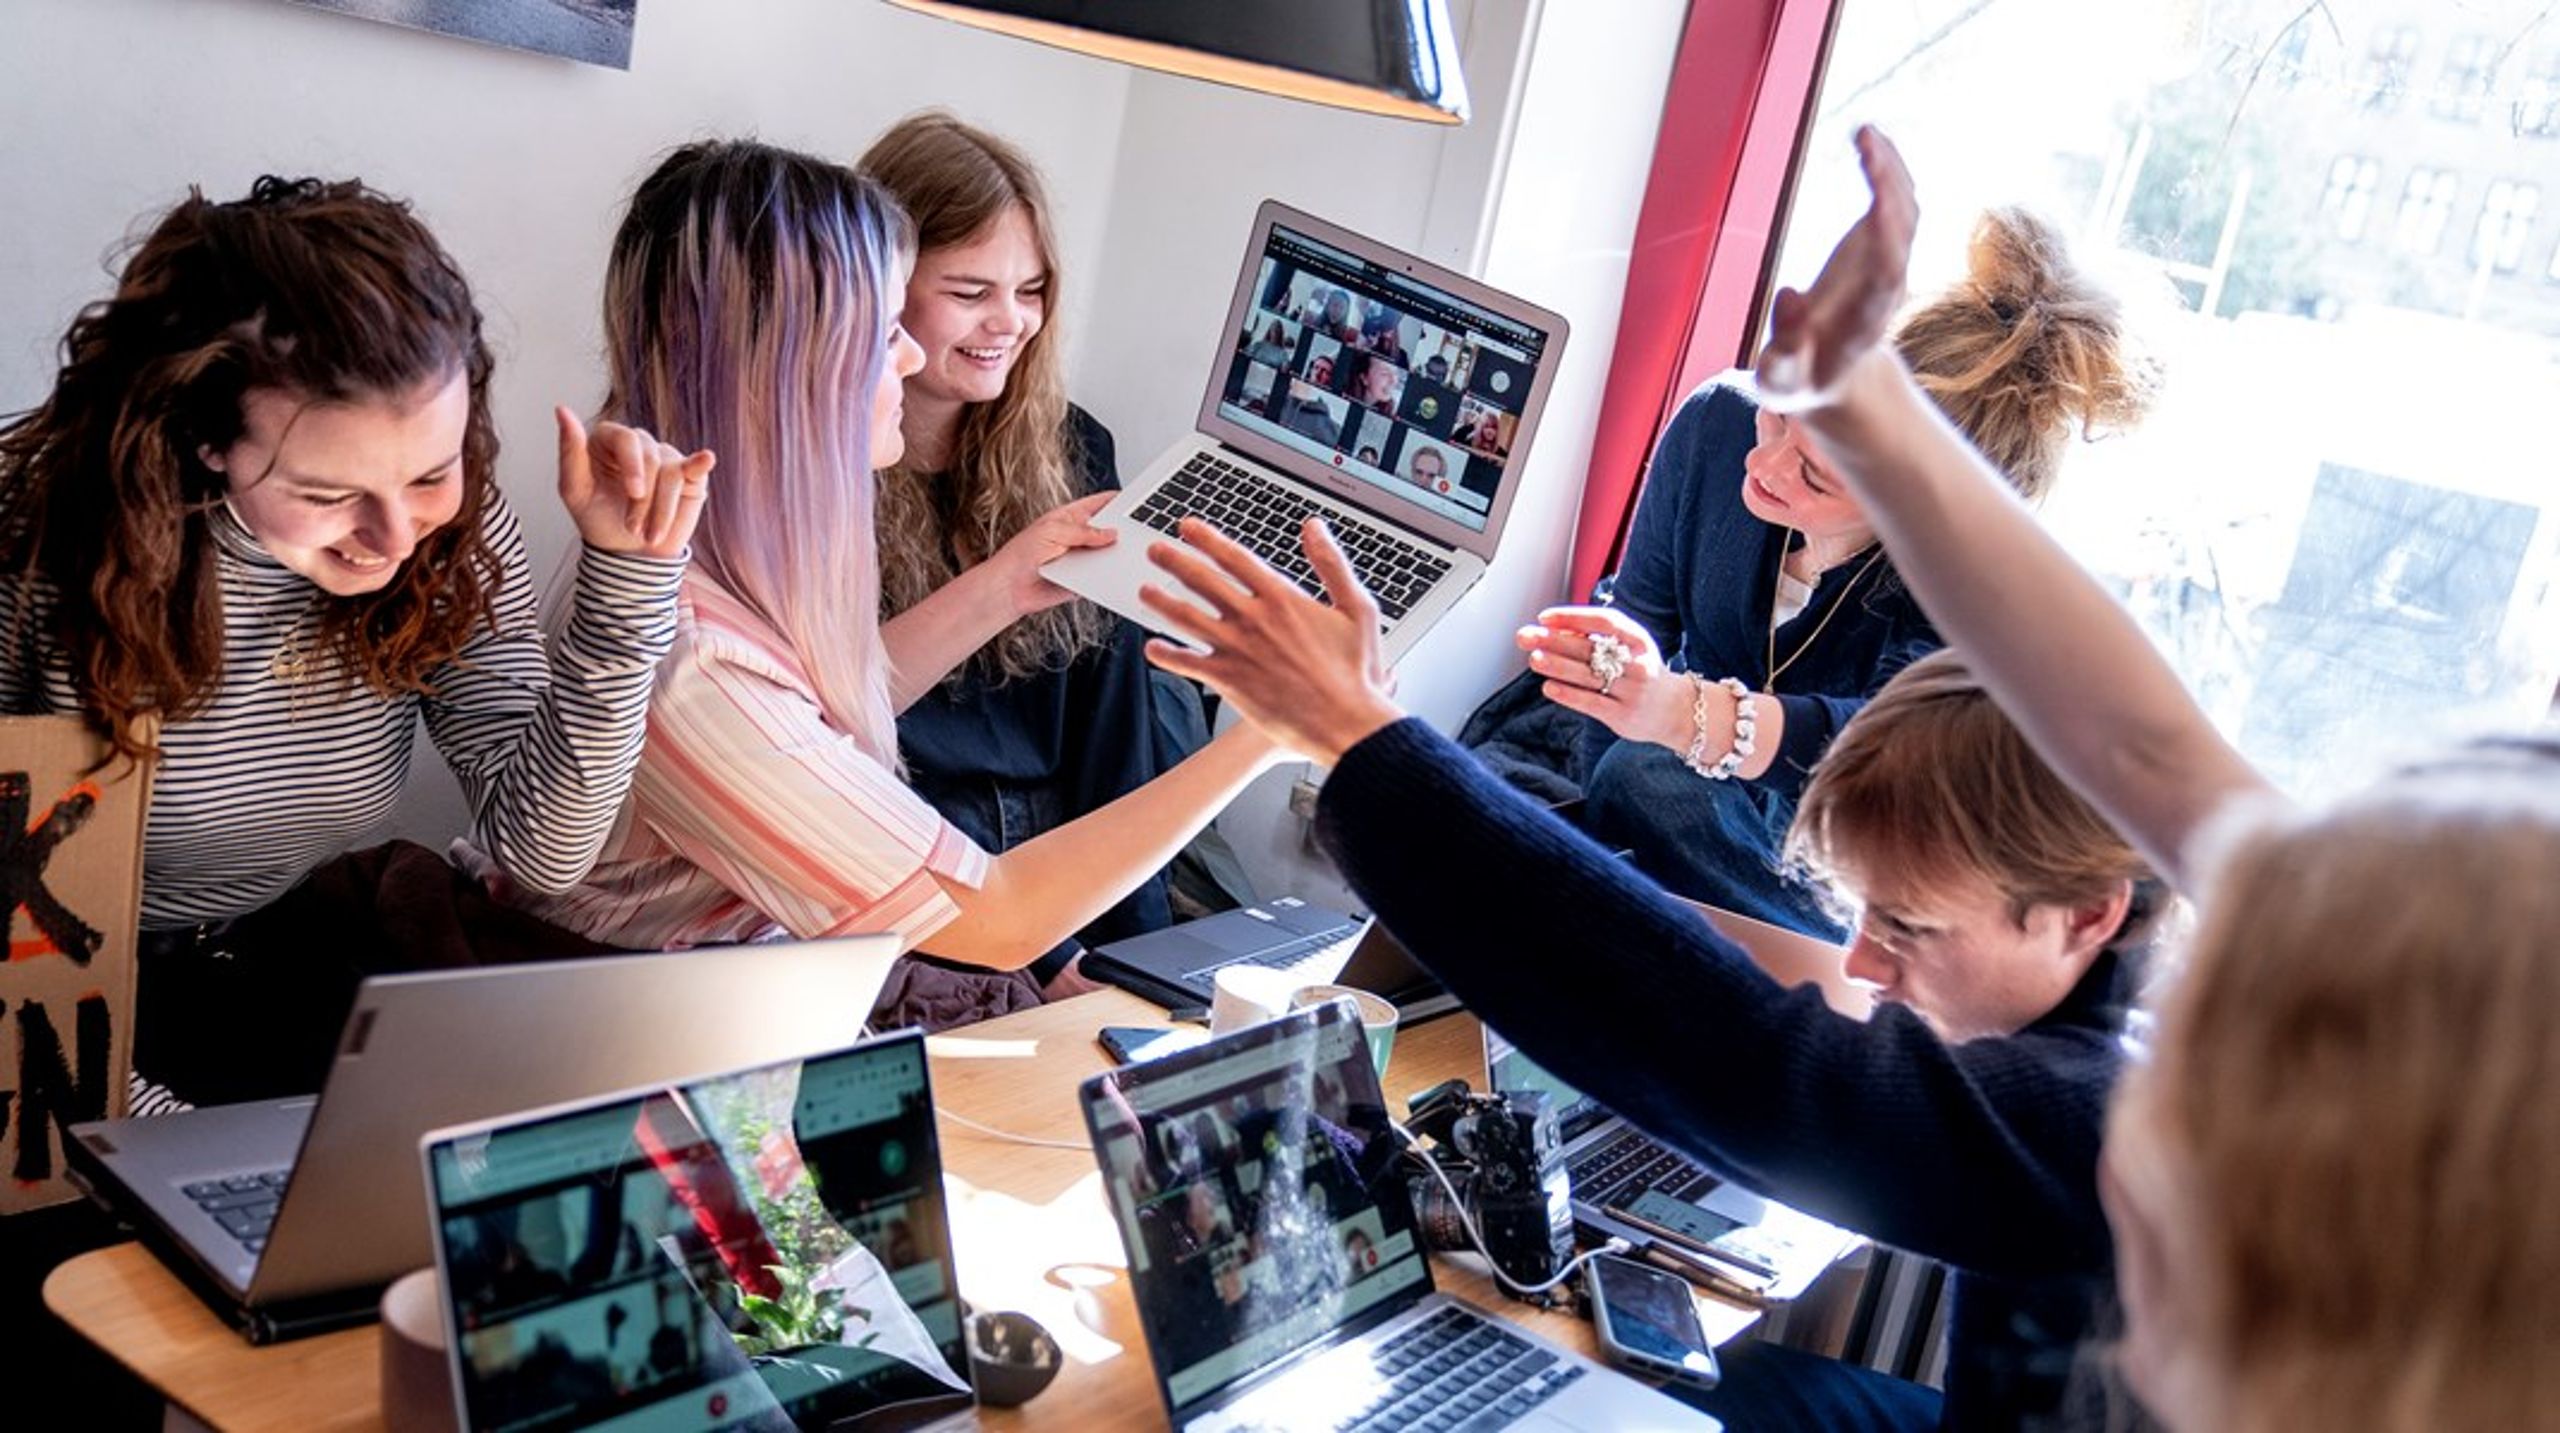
(1981, 1154)
(1700, 572)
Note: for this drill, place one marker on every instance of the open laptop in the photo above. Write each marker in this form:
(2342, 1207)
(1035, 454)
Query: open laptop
(766, 1248)
(1628, 1185)
(1357, 383)
(289, 1216)
(1273, 1253)
(1176, 967)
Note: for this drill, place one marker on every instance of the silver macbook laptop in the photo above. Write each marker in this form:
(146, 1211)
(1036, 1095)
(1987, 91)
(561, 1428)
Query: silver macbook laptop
(288, 1216)
(766, 1248)
(1274, 1256)
(1357, 383)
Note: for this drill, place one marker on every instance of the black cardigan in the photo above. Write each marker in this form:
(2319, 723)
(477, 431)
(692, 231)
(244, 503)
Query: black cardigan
(1981, 1154)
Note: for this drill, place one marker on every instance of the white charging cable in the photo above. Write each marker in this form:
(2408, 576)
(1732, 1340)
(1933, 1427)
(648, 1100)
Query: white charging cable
(1475, 1236)
(1010, 1137)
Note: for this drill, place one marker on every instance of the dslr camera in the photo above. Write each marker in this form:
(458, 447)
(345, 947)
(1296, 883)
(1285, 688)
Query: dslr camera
(1504, 1158)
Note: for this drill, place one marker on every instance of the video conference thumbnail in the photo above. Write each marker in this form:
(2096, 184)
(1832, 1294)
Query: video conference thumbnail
(1407, 399)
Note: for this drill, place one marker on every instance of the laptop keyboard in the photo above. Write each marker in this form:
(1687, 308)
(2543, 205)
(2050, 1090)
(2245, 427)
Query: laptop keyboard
(1204, 980)
(244, 1205)
(1265, 517)
(1616, 1174)
(1454, 1372)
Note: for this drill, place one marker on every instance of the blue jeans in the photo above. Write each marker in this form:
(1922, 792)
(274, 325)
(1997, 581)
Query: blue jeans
(1766, 1386)
(1719, 842)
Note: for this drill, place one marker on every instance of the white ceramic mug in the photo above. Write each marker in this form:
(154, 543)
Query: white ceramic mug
(1247, 995)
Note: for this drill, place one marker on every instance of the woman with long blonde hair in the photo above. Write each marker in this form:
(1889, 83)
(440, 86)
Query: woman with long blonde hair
(1021, 708)
(752, 300)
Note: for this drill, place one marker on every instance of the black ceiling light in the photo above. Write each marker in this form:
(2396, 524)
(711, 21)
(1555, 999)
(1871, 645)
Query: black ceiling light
(1390, 57)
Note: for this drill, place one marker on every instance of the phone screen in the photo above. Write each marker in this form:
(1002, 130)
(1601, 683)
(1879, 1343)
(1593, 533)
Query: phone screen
(1651, 1315)
(1701, 1227)
(1127, 1043)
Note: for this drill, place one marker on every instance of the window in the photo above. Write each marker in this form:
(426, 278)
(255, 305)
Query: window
(2426, 206)
(2387, 66)
(2506, 221)
(2349, 198)
(2307, 552)
(2469, 68)
(2290, 65)
(2537, 105)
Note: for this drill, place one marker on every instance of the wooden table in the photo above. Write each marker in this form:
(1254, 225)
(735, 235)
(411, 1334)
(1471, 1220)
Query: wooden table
(1030, 1231)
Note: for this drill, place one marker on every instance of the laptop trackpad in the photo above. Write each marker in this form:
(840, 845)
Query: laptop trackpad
(1241, 937)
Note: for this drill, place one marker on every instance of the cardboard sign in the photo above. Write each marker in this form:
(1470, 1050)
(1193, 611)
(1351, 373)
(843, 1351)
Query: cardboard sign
(71, 881)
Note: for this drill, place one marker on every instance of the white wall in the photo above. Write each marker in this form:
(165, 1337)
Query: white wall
(111, 107)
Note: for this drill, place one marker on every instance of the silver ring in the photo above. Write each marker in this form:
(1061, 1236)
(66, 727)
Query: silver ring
(1608, 660)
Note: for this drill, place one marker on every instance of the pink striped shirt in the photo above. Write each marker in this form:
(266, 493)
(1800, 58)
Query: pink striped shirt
(752, 817)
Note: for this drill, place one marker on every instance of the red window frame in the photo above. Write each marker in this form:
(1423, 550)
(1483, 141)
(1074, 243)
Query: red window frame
(1724, 162)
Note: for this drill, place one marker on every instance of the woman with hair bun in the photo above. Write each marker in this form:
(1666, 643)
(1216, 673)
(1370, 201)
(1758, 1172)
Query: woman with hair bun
(1754, 612)
(254, 537)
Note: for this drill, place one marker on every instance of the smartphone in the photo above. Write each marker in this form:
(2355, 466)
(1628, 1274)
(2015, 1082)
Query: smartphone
(1647, 1322)
(1126, 1044)
(1703, 1230)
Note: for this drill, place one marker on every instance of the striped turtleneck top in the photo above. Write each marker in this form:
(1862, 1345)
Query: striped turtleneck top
(273, 777)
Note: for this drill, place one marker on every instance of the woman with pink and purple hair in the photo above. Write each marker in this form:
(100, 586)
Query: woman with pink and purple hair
(751, 307)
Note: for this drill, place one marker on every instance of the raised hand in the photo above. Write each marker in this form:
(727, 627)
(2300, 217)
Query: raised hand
(628, 492)
(1058, 531)
(1645, 701)
(1307, 673)
(1818, 335)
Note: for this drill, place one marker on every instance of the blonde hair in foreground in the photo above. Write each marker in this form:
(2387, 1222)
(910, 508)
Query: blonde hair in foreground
(1009, 461)
(2346, 1148)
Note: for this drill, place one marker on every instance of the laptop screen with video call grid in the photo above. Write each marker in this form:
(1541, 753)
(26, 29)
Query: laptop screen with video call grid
(765, 1249)
(1258, 1191)
(1411, 389)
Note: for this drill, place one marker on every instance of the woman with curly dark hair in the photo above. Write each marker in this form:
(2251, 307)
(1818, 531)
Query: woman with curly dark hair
(252, 537)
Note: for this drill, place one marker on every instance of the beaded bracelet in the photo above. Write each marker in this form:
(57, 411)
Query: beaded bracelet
(1746, 728)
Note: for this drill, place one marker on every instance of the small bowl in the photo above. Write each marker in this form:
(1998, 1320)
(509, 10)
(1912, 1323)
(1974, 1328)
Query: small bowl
(1011, 1357)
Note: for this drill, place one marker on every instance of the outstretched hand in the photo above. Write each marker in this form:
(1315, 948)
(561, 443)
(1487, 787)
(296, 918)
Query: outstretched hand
(1645, 701)
(1307, 673)
(1053, 534)
(628, 492)
(1816, 336)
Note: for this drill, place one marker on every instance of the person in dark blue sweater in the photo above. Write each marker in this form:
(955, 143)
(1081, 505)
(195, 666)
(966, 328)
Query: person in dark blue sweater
(2003, 926)
(1752, 585)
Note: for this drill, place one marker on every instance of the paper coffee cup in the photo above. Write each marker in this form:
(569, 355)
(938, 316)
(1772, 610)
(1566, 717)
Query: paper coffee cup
(1246, 995)
(1378, 1016)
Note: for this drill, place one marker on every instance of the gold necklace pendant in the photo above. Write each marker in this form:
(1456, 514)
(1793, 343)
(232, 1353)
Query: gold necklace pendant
(290, 665)
(294, 666)
(1776, 667)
